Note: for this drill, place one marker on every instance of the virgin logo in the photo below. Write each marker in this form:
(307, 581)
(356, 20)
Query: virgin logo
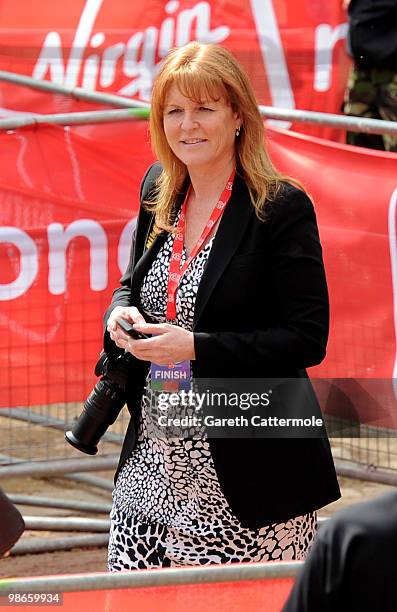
(135, 57)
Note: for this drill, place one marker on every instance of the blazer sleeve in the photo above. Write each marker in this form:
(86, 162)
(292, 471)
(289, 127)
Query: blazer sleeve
(122, 295)
(298, 337)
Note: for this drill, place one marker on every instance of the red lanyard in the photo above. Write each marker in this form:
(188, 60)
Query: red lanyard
(176, 272)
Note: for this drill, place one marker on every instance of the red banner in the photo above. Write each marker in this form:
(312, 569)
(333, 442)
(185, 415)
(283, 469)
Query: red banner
(355, 196)
(266, 595)
(355, 193)
(66, 204)
(293, 51)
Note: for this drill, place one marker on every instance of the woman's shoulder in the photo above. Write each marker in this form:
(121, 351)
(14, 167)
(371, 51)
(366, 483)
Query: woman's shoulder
(289, 200)
(292, 195)
(149, 180)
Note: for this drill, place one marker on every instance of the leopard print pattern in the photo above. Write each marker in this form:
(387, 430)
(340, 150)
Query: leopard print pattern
(168, 507)
(135, 544)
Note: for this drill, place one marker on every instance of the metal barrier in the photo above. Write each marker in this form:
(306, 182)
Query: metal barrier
(36, 434)
(85, 118)
(149, 578)
(63, 504)
(29, 440)
(364, 452)
(353, 124)
(259, 587)
(75, 92)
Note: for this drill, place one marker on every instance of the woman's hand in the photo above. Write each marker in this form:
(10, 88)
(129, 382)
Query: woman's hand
(131, 314)
(169, 344)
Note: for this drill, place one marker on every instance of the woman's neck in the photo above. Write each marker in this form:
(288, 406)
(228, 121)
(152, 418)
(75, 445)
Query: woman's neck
(208, 184)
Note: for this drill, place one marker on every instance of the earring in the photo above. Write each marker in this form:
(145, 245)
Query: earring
(237, 132)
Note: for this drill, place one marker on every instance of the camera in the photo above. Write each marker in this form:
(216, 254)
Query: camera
(103, 405)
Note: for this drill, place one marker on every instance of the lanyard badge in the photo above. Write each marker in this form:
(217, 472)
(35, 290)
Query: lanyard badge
(171, 378)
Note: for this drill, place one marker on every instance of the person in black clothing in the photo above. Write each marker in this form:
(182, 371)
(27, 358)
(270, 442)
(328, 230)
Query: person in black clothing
(372, 87)
(11, 524)
(353, 562)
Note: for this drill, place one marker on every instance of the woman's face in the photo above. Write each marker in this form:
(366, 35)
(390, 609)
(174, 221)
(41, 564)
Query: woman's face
(202, 134)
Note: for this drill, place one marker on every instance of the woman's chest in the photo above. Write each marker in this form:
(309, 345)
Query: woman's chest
(199, 224)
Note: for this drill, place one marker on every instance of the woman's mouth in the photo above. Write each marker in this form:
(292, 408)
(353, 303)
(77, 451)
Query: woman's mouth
(193, 141)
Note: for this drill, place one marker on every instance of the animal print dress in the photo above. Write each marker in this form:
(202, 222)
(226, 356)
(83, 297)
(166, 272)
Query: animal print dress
(168, 508)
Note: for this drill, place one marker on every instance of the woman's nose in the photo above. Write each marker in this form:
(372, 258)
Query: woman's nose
(188, 120)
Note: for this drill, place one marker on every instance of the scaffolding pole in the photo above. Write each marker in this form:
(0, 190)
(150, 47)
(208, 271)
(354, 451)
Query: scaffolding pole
(70, 523)
(366, 472)
(135, 109)
(74, 92)
(41, 545)
(92, 481)
(27, 414)
(61, 504)
(235, 572)
(85, 118)
(353, 124)
(341, 122)
(60, 467)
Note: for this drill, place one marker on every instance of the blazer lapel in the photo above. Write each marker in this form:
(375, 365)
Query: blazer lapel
(144, 264)
(149, 254)
(232, 227)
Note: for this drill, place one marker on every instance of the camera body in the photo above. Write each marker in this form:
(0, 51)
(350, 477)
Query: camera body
(103, 405)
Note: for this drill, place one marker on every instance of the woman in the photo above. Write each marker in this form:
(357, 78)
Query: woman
(251, 303)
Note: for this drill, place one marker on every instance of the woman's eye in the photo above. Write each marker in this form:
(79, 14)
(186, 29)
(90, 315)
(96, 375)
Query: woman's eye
(174, 111)
(205, 108)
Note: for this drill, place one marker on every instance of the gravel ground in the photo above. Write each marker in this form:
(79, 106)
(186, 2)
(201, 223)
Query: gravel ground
(94, 560)
(33, 441)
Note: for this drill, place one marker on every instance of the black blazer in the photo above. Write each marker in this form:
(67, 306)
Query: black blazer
(261, 311)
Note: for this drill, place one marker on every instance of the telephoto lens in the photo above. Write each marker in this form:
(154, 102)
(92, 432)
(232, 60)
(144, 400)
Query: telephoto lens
(102, 406)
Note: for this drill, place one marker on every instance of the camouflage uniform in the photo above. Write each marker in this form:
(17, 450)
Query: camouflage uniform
(372, 93)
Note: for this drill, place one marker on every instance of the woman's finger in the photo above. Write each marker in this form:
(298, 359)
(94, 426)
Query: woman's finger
(130, 313)
(136, 316)
(152, 328)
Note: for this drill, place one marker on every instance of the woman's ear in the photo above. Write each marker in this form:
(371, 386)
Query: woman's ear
(239, 119)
